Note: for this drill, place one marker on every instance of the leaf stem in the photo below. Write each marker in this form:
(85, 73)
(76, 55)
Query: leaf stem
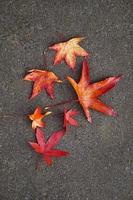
(45, 108)
(61, 103)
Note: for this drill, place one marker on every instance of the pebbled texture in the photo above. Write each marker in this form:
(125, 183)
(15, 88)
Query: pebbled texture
(100, 162)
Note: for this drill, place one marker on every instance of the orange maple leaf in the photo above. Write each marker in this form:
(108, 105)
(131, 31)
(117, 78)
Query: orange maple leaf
(88, 94)
(37, 117)
(68, 51)
(43, 80)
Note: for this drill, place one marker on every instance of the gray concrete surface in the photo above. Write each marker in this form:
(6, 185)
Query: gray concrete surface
(100, 164)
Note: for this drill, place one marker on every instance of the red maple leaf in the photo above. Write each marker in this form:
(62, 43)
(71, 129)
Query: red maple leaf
(43, 80)
(46, 148)
(88, 94)
(68, 51)
(37, 117)
(68, 117)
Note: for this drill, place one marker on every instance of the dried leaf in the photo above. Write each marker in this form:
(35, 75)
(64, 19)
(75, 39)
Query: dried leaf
(43, 80)
(68, 51)
(46, 148)
(37, 117)
(68, 118)
(88, 94)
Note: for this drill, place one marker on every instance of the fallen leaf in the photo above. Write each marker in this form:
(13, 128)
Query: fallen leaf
(88, 94)
(43, 80)
(37, 117)
(46, 148)
(68, 117)
(68, 51)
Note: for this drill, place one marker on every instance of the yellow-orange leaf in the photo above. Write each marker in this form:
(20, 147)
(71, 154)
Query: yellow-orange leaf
(68, 51)
(37, 117)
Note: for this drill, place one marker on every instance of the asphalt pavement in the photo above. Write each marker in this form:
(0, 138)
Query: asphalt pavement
(100, 164)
